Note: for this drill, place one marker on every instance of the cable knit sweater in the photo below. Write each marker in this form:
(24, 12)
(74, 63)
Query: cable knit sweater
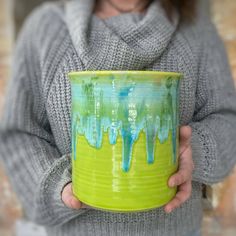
(35, 140)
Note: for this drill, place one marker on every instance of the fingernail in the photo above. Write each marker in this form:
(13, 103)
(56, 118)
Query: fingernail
(168, 210)
(172, 183)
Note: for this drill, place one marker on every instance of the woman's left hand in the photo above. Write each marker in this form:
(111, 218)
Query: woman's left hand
(183, 178)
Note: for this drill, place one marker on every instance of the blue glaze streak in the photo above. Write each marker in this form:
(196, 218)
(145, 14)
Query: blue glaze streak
(125, 109)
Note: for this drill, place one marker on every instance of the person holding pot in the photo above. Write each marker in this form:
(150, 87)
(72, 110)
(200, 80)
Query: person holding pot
(76, 35)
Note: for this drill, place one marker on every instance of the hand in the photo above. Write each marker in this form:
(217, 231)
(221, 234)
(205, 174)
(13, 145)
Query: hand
(183, 178)
(70, 200)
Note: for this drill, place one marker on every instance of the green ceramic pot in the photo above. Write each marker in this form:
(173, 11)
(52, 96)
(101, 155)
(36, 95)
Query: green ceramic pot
(125, 127)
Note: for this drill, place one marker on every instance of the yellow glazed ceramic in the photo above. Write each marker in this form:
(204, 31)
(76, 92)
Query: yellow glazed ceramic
(125, 128)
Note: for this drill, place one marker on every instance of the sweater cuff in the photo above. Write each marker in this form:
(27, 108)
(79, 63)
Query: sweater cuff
(197, 156)
(50, 209)
(203, 154)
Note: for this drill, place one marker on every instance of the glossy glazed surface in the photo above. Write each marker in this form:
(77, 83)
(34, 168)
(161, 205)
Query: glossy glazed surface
(124, 138)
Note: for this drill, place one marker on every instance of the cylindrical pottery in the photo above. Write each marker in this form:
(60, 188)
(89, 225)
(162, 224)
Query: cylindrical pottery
(125, 127)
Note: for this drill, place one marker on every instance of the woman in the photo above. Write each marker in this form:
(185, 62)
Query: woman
(160, 35)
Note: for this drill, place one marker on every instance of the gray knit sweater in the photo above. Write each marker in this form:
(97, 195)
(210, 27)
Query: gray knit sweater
(35, 140)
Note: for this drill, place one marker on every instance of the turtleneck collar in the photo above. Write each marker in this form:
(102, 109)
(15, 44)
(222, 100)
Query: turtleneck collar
(103, 44)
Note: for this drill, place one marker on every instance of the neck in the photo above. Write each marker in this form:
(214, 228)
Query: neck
(107, 8)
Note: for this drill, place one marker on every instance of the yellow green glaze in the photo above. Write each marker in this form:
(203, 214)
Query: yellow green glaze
(124, 138)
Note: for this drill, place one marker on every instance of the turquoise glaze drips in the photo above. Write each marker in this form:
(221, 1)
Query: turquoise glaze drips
(125, 105)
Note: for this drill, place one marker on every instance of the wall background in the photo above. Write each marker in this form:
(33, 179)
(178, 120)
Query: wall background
(220, 215)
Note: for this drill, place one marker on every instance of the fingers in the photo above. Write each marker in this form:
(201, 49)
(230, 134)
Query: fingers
(179, 178)
(185, 133)
(185, 170)
(69, 199)
(183, 178)
(186, 164)
(183, 194)
(185, 138)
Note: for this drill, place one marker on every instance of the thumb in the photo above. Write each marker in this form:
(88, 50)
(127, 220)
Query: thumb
(69, 199)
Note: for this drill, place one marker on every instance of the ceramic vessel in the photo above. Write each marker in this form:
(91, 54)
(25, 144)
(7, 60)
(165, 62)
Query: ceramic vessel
(125, 127)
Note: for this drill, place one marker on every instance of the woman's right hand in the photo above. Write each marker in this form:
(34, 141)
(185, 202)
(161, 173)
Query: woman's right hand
(70, 200)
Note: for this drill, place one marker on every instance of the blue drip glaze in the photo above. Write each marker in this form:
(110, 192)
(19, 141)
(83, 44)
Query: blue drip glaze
(151, 132)
(128, 142)
(126, 113)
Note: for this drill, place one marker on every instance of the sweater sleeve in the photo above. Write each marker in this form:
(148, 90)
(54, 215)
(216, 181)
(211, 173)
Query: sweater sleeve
(36, 169)
(214, 121)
